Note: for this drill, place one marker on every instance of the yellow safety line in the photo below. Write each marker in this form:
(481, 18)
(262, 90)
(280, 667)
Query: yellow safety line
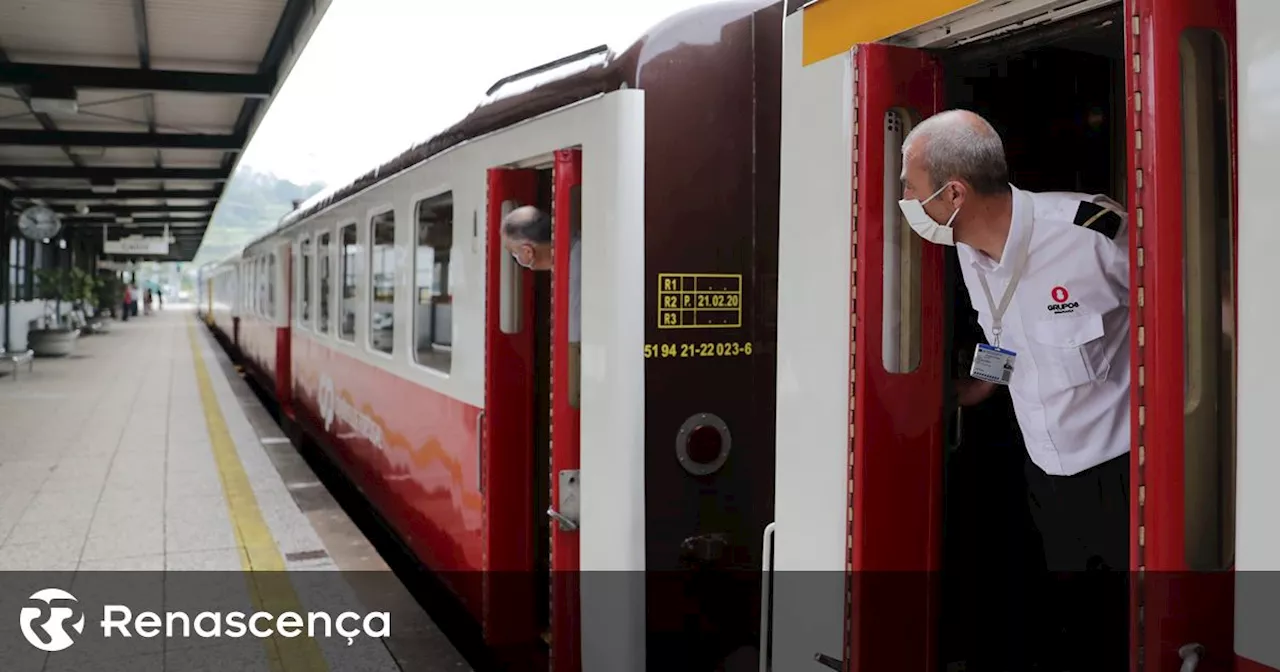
(269, 585)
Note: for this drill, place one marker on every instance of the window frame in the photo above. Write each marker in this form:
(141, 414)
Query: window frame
(321, 304)
(340, 255)
(305, 299)
(371, 215)
(416, 200)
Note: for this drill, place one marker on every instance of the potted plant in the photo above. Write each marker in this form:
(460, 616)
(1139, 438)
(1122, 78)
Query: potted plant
(56, 337)
(109, 294)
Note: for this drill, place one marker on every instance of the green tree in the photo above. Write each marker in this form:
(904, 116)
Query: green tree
(251, 206)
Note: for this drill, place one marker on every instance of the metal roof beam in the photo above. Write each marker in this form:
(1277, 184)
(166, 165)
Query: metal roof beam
(45, 120)
(132, 79)
(53, 138)
(190, 219)
(121, 195)
(130, 209)
(113, 173)
(188, 235)
(291, 20)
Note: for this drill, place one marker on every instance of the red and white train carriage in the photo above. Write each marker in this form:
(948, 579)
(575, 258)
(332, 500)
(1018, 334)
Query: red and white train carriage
(1139, 99)
(572, 492)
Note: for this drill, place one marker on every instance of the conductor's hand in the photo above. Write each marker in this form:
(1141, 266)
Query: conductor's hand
(971, 391)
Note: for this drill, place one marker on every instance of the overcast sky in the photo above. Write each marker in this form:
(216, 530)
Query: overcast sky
(379, 75)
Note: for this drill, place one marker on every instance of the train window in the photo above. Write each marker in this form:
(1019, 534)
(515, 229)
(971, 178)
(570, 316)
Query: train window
(433, 302)
(511, 278)
(271, 286)
(246, 289)
(382, 281)
(255, 306)
(322, 251)
(262, 286)
(900, 344)
(304, 283)
(1208, 302)
(347, 306)
(575, 277)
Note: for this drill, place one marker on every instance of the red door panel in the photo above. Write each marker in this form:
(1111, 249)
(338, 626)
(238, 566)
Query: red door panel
(1181, 605)
(565, 449)
(507, 430)
(895, 527)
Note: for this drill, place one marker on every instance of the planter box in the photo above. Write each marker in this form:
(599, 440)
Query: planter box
(52, 342)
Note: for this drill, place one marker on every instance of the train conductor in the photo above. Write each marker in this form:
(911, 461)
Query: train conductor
(1049, 277)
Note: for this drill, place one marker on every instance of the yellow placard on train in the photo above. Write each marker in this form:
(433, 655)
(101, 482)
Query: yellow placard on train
(834, 27)
(699, 301)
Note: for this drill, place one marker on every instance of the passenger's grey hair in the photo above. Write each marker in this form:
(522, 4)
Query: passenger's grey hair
(961, 145)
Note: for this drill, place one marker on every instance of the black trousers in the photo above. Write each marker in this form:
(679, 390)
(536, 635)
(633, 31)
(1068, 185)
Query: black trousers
(1083, 521)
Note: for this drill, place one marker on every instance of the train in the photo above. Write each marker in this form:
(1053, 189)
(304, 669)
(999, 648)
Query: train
(755, 458)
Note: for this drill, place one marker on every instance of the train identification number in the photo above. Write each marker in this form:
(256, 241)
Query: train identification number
(676, 350)
(699, 300)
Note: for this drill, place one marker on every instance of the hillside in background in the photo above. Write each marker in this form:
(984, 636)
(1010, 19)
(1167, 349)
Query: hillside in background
(252, 205)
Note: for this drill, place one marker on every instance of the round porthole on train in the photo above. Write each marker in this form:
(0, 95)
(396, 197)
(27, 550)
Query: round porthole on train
(702, 444)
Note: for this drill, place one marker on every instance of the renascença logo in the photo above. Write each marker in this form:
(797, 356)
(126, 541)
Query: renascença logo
(120, 620)
(58, 638)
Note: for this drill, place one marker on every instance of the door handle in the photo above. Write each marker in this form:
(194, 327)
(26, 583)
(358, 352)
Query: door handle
(827, 661)
(766, 601)
(957, 430)
(566, 523)
(1190, 654)
(569, 501)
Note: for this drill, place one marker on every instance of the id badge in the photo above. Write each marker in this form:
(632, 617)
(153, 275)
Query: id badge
(992, 364)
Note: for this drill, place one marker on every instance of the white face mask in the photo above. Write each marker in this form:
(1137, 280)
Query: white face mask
(923, 224)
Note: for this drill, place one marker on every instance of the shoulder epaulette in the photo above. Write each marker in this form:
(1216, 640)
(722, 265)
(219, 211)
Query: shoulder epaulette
(1100, 219)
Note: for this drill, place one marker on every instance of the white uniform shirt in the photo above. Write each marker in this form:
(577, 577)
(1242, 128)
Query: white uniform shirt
(1068, 322)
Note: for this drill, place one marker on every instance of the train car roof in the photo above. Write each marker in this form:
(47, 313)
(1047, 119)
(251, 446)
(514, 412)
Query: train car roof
(230, 258)
(539, 90)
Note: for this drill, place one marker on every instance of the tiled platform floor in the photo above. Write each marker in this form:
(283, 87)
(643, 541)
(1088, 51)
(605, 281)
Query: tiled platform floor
(107, 462)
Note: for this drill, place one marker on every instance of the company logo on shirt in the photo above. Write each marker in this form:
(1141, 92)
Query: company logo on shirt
(1059, 306)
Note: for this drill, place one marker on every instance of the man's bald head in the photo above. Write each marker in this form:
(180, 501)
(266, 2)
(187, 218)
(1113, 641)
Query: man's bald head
(527, 224)
(526, 233)
(958, 145)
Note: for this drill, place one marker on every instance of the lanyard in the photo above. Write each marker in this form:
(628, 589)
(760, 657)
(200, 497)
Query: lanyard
(1019, 265)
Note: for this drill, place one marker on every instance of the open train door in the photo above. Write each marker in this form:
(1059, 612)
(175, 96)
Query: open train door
(505, 427)
(1182, 204)
(566, 622)
(898, 422)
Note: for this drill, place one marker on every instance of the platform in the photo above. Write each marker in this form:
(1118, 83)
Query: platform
(144, 453)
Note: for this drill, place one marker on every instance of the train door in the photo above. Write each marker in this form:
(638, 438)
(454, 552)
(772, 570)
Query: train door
(1132, 101)
(566, 448)
(1181, 57)
(895, 498)
(531, 428)
(514, 430)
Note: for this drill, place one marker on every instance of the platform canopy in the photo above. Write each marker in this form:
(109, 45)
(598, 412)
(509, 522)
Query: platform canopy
(132, 114)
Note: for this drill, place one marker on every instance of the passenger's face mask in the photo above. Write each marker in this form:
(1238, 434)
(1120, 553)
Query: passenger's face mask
(923, 224)
(524, 255)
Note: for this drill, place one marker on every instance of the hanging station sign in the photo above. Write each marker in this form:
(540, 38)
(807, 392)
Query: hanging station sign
(148, 245)
(137, 245)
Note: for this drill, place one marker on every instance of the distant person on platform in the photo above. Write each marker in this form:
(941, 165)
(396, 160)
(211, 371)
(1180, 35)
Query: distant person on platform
(126, 303)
